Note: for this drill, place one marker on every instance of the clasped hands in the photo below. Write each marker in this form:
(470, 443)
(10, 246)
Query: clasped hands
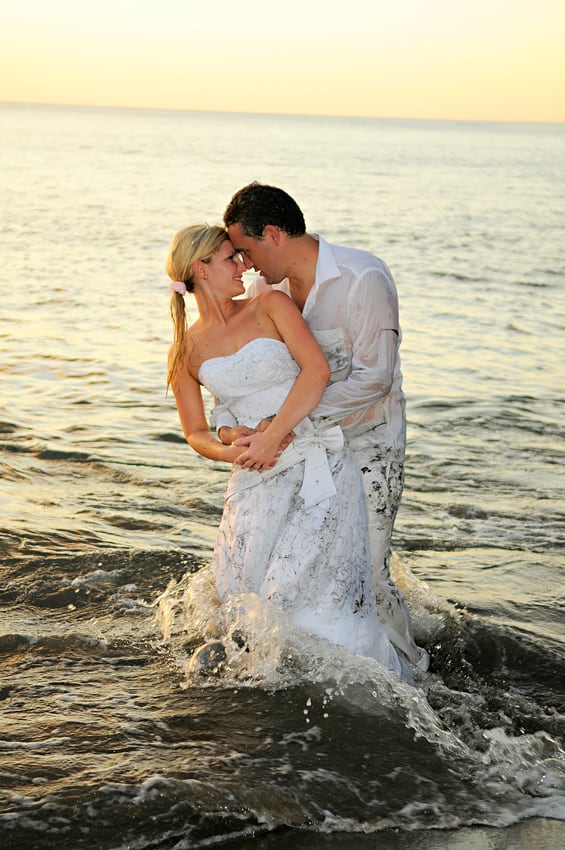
(260, 453)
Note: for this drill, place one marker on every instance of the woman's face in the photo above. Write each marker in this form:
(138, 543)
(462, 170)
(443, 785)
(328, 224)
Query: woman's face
(225, 270)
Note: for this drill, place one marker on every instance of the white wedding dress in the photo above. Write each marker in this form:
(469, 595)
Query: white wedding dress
(296, 534)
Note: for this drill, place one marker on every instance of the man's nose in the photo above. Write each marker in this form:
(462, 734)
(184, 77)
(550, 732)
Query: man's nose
(247, 262)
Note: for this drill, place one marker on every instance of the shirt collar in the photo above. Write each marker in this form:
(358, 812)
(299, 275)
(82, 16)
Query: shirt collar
(326, 269)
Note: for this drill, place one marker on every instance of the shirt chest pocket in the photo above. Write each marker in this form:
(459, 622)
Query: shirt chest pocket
(333, 344)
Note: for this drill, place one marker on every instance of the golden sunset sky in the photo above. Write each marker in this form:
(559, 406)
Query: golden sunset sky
(493, 60)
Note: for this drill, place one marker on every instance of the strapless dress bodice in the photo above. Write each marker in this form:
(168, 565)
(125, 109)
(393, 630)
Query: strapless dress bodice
(254, 381)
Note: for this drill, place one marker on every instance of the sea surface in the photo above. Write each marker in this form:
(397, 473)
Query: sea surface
(109, 739)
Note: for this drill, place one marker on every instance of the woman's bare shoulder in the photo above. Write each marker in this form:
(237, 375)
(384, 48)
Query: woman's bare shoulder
(269, 300)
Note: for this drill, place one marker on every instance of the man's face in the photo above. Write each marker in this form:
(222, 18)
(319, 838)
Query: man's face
(260, 254)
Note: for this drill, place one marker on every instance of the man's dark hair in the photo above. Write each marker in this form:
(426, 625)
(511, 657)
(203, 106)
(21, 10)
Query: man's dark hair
(256, 205)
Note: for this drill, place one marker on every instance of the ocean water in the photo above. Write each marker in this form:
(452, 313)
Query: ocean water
(108, 738)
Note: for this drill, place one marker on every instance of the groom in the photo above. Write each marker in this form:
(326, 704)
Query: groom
(348, 298)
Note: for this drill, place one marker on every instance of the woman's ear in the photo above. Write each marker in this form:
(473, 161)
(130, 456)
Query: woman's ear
(199, 269)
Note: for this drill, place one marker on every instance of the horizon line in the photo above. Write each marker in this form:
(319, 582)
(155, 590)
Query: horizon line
(275, 114)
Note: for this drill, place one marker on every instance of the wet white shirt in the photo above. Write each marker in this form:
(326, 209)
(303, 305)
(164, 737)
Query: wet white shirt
(352, 310)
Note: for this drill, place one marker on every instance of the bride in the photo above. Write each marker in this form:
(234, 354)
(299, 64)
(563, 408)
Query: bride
(294, 525)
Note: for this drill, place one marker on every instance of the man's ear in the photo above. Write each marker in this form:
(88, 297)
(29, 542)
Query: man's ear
(272, 233)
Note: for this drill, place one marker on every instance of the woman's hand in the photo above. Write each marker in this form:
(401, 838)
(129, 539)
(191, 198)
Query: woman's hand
(248, 460)
(259, 452)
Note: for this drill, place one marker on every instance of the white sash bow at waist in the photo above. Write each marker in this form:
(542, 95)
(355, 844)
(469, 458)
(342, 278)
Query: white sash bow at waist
(312, 447)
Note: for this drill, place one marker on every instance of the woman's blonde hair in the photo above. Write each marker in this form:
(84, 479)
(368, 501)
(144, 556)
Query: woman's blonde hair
(197, 242)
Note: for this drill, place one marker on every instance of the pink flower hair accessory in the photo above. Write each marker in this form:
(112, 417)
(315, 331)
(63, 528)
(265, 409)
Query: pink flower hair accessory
(178, 286)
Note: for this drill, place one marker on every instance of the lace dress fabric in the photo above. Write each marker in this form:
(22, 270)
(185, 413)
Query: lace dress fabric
(294, 540)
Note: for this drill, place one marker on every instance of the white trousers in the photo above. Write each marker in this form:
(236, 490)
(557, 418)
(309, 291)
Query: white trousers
(382, 468)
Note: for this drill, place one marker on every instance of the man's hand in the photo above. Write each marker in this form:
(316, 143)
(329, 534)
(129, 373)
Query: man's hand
(228, 435)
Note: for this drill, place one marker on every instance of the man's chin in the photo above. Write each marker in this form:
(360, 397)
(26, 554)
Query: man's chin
(264, 279)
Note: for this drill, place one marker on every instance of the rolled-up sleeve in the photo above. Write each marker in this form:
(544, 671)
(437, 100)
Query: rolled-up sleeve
(221, 417)
(374, 332)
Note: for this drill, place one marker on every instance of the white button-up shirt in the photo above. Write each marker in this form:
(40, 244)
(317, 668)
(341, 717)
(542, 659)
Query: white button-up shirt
(352, 310)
